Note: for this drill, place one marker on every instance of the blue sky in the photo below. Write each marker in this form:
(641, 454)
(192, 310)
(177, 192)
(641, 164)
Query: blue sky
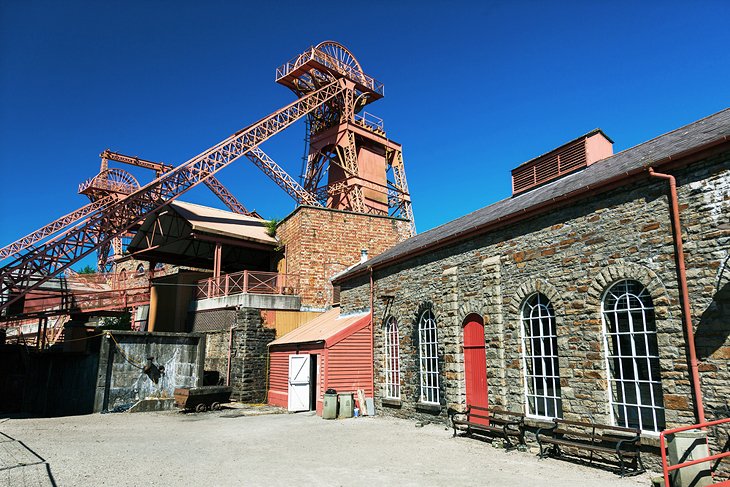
(472, 89)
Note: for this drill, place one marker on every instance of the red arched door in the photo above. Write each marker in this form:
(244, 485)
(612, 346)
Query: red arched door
(475, 363)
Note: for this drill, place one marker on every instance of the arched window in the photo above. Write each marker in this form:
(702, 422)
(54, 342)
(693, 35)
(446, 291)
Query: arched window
(123, 275)
(140, 269)
(428, 354)
(392, 359)
(540, 358)
(632, 356)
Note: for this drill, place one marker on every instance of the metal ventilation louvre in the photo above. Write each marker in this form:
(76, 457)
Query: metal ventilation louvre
(569, 157)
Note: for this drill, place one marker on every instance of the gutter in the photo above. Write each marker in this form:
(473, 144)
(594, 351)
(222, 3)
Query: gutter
(524, 213)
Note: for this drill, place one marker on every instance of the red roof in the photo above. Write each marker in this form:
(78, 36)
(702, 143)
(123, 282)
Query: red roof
(328, 327)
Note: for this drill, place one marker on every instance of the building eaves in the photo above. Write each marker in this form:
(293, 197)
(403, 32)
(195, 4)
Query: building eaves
(698, 135)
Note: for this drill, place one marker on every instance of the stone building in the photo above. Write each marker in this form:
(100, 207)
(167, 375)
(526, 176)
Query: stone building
(569, 291)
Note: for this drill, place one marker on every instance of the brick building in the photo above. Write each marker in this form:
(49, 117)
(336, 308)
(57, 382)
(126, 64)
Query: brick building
(569, 291)
(321, 242)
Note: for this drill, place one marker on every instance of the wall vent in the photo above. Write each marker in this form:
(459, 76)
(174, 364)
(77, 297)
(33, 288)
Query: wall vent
(568, 158)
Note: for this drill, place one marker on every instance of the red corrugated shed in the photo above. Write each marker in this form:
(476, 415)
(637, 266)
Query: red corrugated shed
(342, 347)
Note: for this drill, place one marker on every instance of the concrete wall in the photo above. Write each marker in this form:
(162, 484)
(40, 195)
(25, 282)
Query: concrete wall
(572, 255)
(121, 380)
(170, 298)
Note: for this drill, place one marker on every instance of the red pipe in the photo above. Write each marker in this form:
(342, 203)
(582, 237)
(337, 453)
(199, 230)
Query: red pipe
(682, 276)
(228, 367)
(662, 445)
(372, 332)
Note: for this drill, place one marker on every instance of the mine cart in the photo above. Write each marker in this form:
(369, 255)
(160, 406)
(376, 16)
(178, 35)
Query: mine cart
(201, 399)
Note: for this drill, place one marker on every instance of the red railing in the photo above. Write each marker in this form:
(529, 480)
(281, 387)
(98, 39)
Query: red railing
(91, 293)
(669, 468)
(251, 282)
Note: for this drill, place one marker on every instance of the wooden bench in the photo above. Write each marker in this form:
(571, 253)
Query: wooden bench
(490, 421)
(592, 437)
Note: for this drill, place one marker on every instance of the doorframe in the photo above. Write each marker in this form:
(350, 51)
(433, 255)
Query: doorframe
(469, 318)
(313, 380)
(289, 377)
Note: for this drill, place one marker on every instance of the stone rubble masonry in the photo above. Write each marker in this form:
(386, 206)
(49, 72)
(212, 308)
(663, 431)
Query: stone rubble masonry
(249, 353)
(321, 242)
(571, 254)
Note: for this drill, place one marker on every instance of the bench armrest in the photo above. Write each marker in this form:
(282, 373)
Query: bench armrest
(628, 441)
(455, 412)
(544, 430)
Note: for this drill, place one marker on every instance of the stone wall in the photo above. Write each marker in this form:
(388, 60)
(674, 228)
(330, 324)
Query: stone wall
(249, 351)
(321, 242)
(572, 255)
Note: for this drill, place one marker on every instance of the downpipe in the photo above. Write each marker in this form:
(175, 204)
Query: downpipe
(228, 366)
(372, 330)
(682, 277)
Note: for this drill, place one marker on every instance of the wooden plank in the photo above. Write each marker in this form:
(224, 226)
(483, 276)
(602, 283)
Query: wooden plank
(361, 402)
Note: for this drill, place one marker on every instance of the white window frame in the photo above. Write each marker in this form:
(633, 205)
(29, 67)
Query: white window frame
(392, 358)
(630, 298)
(428, 358)
(542, 312)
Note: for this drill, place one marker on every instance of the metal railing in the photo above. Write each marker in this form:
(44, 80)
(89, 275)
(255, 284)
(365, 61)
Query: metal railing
(326, 60)
(370, 122)
(247, 282)
(663, 446)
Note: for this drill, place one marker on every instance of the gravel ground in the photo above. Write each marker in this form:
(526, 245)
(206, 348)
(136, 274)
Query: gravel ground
(232, 448)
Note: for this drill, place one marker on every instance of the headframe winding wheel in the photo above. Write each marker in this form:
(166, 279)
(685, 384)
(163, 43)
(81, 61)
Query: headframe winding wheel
(340, 54)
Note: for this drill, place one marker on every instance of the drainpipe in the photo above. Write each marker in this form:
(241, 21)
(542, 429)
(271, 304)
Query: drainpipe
(372, 331)
(230, 346)
(682, 276)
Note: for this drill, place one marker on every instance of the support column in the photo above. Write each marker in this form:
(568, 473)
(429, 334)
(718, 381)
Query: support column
(217, 255)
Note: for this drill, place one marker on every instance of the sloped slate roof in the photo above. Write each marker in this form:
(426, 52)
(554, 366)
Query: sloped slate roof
(708, 130)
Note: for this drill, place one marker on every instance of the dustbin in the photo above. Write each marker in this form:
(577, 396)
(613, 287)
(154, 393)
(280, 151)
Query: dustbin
(346, 405)
(329, 410)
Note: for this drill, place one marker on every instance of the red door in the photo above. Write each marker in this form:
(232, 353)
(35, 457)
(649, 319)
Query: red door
(475, 364)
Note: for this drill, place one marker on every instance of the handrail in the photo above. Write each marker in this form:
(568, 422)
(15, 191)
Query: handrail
(326, 60)
(247, 282)
(662, 445)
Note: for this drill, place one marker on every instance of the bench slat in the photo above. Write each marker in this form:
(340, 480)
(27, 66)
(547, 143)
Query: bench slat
(501, 423)
(588, 446)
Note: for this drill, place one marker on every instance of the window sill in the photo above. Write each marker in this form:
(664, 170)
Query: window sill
(428, 407)
(394, 403)
(538, 421)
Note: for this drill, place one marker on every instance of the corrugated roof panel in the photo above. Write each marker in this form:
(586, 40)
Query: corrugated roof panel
(219, 222)
(320, 328)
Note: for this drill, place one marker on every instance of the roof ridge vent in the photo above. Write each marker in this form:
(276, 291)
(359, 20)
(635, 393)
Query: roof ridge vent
(570, 157)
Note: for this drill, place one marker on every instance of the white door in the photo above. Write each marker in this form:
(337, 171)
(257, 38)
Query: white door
(298, 382)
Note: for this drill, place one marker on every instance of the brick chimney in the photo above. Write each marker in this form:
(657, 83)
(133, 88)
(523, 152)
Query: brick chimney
(570, 157)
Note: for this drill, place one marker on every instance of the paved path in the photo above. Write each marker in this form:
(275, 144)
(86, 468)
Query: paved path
(225, 448)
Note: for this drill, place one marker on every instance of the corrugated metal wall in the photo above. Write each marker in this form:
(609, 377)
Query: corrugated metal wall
(278, 379)
(349, 364)
(279, 374)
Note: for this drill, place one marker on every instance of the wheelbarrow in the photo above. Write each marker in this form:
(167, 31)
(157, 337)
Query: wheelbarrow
(201, 399)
